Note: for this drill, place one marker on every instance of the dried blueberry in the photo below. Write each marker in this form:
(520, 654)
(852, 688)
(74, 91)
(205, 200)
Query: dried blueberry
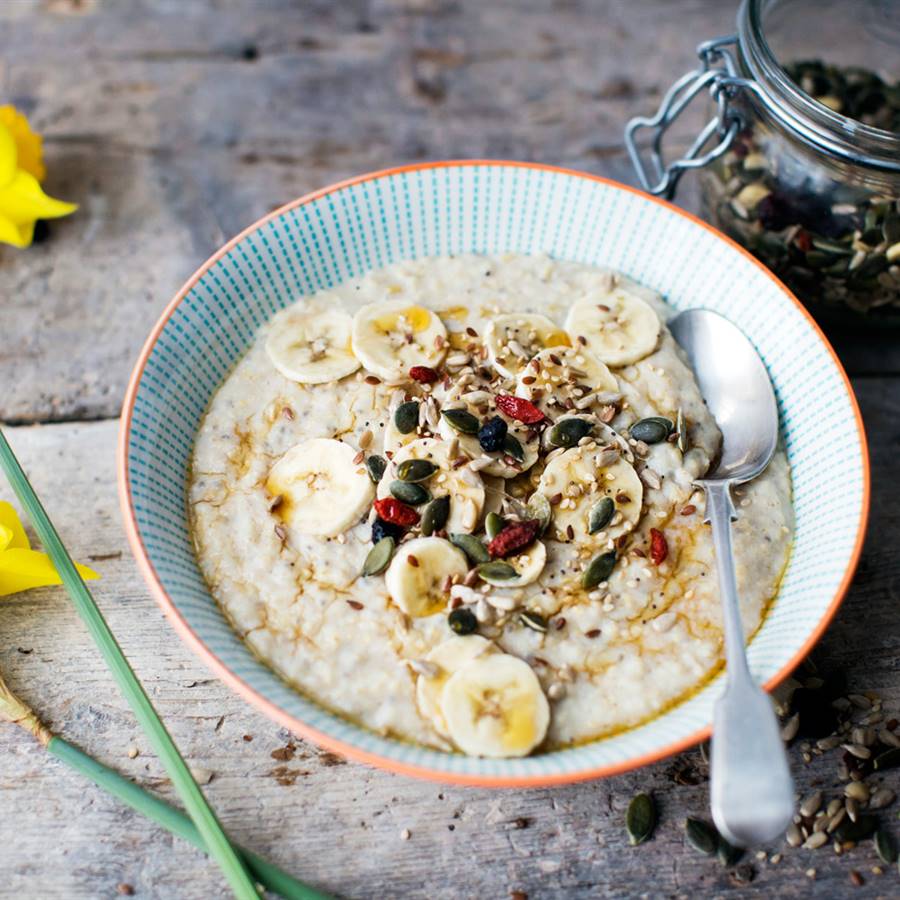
(382, 529)
(492, 434)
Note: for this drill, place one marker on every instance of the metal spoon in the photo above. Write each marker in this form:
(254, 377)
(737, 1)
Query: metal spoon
(752, 794)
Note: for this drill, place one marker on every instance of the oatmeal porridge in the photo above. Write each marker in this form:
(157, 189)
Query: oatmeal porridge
(453, 501)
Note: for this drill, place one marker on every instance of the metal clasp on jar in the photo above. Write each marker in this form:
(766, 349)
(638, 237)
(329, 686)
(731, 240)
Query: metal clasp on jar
(717, 76)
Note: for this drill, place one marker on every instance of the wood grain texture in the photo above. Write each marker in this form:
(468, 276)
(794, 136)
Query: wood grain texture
(174, 125)
(338, 825)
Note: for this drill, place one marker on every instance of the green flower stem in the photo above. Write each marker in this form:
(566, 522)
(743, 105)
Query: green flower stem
(199, 810)
(270, 876)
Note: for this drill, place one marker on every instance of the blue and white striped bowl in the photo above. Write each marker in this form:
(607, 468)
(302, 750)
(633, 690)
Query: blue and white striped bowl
(486, 207)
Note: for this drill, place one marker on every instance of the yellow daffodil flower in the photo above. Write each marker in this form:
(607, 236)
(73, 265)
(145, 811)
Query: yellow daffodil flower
(22, 568)
(22, 201)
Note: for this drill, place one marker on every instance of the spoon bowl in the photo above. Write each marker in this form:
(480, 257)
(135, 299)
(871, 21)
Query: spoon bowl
(751, 791)
(736, 387)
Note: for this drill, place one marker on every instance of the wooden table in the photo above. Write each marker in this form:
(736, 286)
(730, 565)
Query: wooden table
(174, 125)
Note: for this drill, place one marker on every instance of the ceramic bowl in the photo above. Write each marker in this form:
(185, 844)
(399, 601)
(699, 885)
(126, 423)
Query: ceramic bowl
(485, 207)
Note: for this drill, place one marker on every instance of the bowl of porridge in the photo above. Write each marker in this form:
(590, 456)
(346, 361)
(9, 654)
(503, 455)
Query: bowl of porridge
(410, 463)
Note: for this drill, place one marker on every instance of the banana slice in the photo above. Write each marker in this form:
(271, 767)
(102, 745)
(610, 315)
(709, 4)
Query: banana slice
(584, 479)
(311, 347)
(560, 378)
(448, 658)
(619, 327)
(500, 467)
(494, 706)
(322, 490)
(464, 487)
(417, 572)
(512, 340)
(390, 338)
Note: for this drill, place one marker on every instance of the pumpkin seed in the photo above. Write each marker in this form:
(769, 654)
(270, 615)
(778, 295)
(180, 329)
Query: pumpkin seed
(408, 492)
(890, 759)
(513, 448)
(461, 420)
(534, 621)
(435, 516)
(375, 466)
(493, 525)
(885, 846)
(539, 508)
(681, 428)
(728, 854)
(600, 515)
(379, 557)
(472, 547)
(640, 820)
(701, 836)
(568, 432)
(462, 621)
(651, 430)
(406, 417)
(598, 570)
(864, 827)
(496, 571)
(416, 469)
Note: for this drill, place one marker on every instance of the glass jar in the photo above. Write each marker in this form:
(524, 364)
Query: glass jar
(785, 170)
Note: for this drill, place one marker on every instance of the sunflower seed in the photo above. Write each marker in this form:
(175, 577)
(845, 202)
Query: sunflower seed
(790, 728)
(811, 805)
(888, 738)
(833, 807)
(857, 790)
(835, 820)
(793, 836)
(881, 798)
(424, 667)
(852, 807)
(857, 750)
(815, 840)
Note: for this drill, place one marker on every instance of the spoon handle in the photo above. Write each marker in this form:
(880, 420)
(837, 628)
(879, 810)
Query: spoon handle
(751, 790)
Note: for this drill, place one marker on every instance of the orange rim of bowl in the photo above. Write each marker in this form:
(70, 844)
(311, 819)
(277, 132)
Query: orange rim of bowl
(297, 726)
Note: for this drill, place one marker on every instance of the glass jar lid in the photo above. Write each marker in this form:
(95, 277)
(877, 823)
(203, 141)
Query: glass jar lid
(772, 33)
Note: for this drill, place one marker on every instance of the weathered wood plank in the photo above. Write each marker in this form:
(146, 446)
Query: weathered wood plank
(185, 122)
(338, 825)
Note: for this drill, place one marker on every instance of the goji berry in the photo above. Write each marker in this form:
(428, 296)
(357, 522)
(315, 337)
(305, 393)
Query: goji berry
(659, 547)
(423, 374)
(395, 512)
(803, 241)
(513, 538)
(519, 409)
